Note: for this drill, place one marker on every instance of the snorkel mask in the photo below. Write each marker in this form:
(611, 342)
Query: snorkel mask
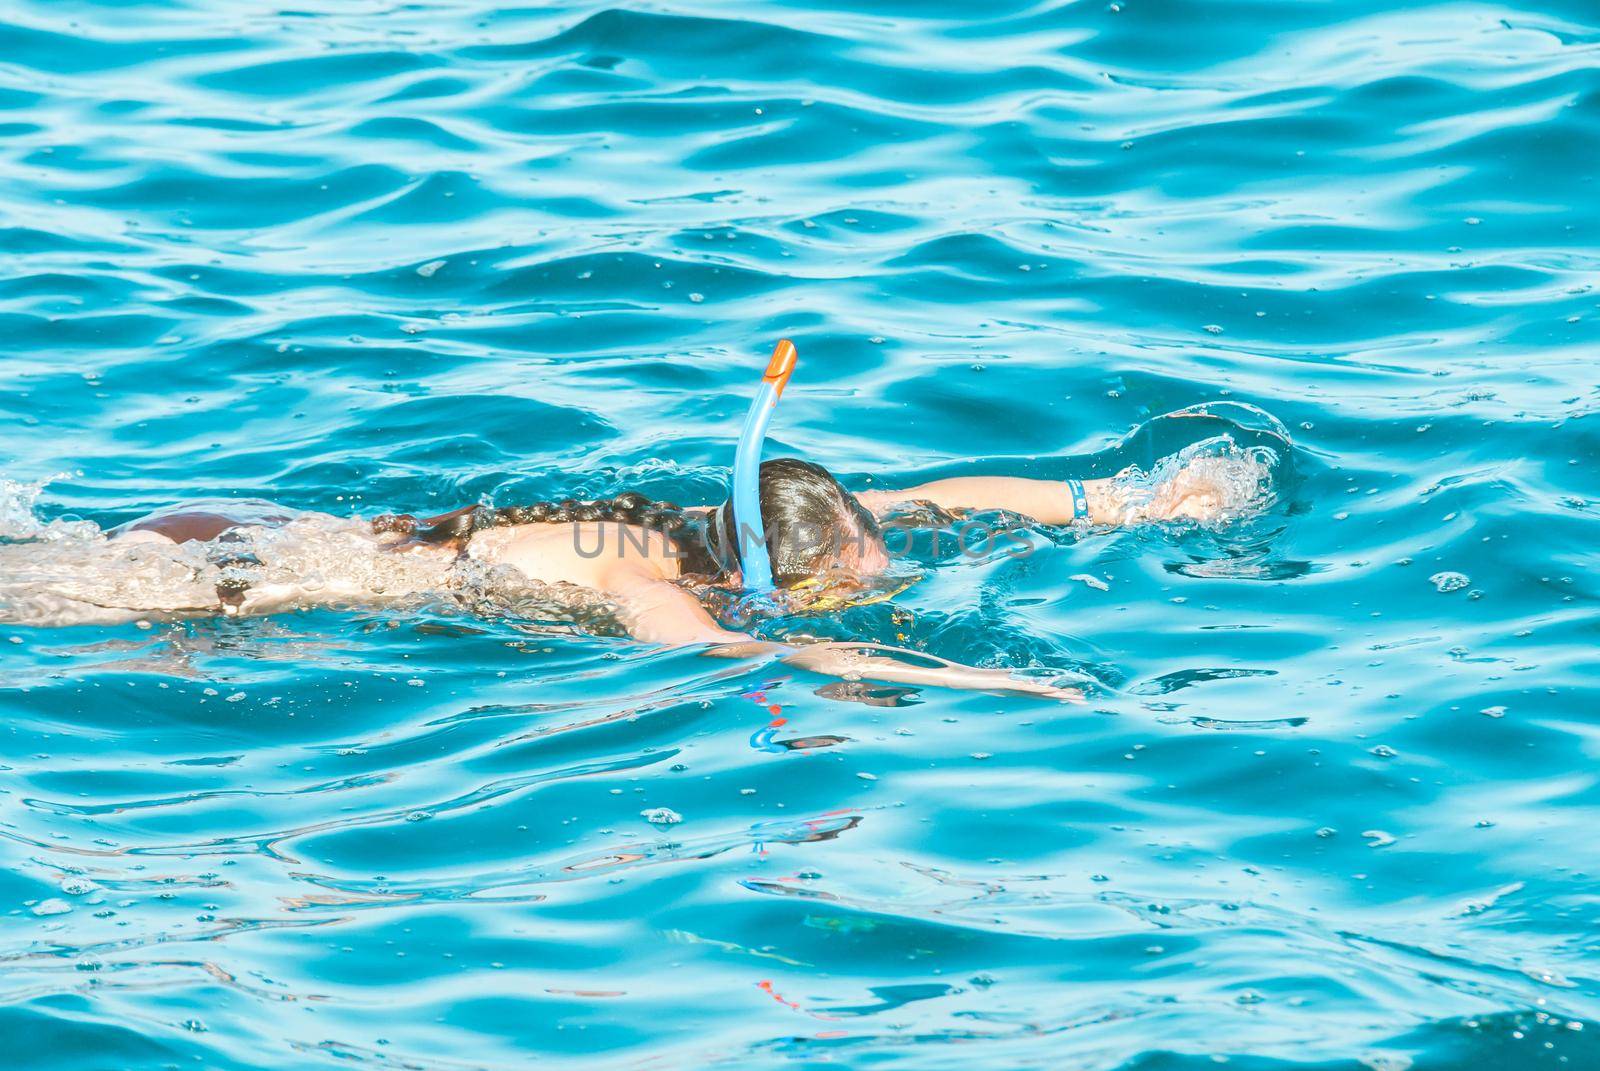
(817, 595)
(750, 533)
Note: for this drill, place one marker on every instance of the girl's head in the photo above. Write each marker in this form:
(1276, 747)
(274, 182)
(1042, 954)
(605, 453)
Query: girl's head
(814, 527)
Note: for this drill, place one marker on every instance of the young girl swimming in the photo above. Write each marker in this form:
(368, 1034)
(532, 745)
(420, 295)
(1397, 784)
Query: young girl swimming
(648, 568)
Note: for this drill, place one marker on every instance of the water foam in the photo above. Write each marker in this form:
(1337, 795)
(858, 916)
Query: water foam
(1229, 482)
(19, 521)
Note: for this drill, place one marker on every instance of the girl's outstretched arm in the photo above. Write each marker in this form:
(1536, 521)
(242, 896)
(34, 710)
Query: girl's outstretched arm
(1052, 501)
(896, 665)
(1046, 501)
(657, 611)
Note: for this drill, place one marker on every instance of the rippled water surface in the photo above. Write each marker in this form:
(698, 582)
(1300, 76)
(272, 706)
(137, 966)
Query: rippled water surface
(1332, 801)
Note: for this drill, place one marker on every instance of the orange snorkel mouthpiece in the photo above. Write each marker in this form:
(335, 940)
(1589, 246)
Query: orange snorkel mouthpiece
(781, 366)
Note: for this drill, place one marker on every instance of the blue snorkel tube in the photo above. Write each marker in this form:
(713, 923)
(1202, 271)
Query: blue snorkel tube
(750, 534)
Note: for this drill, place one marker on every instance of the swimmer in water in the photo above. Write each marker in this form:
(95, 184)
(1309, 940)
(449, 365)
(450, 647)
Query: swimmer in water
(650, 564)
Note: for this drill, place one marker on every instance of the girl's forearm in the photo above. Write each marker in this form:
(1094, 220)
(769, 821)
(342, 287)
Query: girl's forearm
(1046, 501)
(893, 665)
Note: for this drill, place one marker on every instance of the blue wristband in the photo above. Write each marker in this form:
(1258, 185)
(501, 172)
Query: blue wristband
(1080, 500)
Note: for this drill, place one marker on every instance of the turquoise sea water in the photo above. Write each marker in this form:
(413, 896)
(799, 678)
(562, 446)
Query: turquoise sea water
(356, 256)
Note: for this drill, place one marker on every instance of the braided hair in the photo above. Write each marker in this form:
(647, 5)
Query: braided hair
(683, 528)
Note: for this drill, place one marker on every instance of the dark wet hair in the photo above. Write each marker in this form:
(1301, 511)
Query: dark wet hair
(810, 520)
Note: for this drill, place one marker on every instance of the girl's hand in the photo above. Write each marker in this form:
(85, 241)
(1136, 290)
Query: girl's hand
(1209, 483)
(892, 665)
(1192, 493)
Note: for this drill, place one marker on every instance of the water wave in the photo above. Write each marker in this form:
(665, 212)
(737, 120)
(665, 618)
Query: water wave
(1321, 806)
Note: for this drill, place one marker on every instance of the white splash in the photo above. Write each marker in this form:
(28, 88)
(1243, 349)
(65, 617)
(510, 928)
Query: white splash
(1212, 483)
(20, 523)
